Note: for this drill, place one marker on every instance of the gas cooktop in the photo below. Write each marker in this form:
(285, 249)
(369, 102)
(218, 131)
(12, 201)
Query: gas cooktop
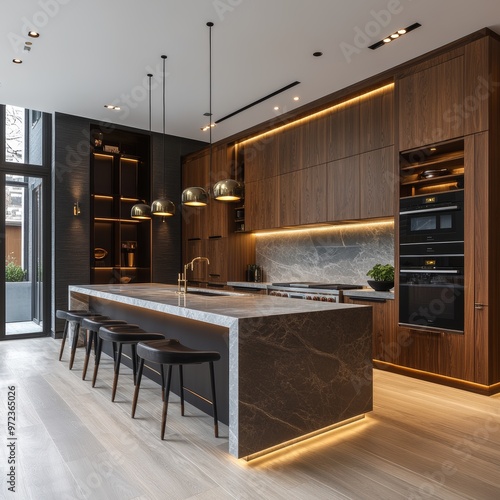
(313, 284)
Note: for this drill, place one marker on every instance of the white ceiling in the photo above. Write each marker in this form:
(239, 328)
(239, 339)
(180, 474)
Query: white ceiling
(94, 52)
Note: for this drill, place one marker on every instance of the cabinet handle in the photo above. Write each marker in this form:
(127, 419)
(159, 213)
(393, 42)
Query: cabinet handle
(366, 299)
(479, 306)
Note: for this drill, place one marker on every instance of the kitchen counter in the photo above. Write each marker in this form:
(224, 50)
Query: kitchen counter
(369, 293)
(292, 367)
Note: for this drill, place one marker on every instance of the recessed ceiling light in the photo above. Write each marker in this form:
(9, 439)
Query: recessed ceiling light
(17, 61)
(28, 43)
(393, 36)
(33, 34)
(113, 108)
(276, 108)
(296, 98)
(317, 54)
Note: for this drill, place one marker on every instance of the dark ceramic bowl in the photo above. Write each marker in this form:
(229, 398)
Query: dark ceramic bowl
(381, 286)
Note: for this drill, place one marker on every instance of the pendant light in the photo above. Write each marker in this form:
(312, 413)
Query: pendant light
(141, 210)
(163, 206)
(198, 196)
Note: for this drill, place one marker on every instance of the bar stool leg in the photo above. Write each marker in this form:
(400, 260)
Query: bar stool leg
(165, 403)
(137, 385)
(117, 370)
(73, 345)
(214, 402)
(162, 375)
(87, 353)
(63, 342)
(181, 381)
(134, 362)
(97, 359)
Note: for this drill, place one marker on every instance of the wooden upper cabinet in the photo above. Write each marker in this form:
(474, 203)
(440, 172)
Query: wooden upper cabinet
(428, 101)
(289, 202)
(343, 129)
(343, 181)
(262, 204)
(313, 194)
(291, 148)
(376, 124)
(261, 157)
(378, 183)
(316, 136)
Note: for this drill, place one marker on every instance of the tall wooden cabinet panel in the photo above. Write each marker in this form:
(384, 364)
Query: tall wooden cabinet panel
(291, 148)
(378, 183)
(289, 201)
(343, 181)
(376, 123)
(262, 204)
(218, 253)
(427, 103)
(261, 157)
(316, 139)
(313, 195)
(343, 130)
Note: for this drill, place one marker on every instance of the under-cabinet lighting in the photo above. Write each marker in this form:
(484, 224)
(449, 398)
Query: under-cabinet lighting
(329, 227)
(102, 197)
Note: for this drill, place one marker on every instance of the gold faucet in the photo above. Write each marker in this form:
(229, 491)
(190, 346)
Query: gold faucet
(182, 279)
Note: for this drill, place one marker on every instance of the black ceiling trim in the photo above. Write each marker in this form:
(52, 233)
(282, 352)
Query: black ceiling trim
(258, 101)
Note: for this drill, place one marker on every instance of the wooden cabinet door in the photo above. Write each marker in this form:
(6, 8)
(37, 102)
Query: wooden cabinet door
(385, 347)
(343, 180)
(261, 157)
(419, 350)
(316, 137)
(427, 104)
(291, 149)
(217, 252)
(313, 195)
(262, 204)
(376, 123)
(344, 130)
(378, 183)
(289, 202)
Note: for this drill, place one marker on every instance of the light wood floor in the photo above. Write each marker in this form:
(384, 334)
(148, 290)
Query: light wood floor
(421, 441)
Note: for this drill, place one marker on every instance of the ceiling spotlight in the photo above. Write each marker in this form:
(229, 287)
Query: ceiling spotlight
(393, 36)
(33, 34)
(317, 54)
(276, 108)
(113, 108)
(17, 61)
(296, 98)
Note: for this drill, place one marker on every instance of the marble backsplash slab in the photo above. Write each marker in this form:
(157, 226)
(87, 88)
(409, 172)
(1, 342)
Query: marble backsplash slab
(337, 254)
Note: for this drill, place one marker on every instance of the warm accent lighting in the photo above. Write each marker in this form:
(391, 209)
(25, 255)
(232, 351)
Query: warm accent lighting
(141, 211)
(76, 208)
(33, 34)
(111, 107)
(195, 197)
(228, 190)
(296, 98)
(17, 61)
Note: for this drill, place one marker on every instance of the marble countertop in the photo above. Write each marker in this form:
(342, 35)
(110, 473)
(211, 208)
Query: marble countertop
(221, 308)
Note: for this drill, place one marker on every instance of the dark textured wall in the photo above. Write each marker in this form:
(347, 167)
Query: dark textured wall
(70, 183)
(167, 235)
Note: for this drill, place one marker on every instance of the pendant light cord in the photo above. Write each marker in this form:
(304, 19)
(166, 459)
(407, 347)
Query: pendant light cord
(164, 147)
(210, 24)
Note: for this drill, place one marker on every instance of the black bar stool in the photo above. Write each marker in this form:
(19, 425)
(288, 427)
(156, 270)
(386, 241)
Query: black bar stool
(73, 317)
(120, 335)
(92, 325)
(172, 352)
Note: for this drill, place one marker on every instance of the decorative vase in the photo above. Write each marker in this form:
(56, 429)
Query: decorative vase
(381, 286)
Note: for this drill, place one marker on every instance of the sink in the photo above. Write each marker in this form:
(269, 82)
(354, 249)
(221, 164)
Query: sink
(208, 294)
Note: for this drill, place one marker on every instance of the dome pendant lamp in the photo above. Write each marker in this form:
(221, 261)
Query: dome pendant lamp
(141, 210)
(197, 196)
(163, 206)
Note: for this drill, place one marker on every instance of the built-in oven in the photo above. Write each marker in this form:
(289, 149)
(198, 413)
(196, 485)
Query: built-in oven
(431, 292)
(438, 217)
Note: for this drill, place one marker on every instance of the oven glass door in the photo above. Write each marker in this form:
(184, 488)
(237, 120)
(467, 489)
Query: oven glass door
(444, 224)
(432, 300)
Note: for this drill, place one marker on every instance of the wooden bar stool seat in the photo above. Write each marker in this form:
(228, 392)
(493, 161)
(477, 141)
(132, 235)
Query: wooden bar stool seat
(171, 352)
(119, 335)
(73, 317)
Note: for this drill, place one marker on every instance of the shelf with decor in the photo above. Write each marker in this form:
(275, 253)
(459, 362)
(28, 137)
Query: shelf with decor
(120, 245)
(432, 169)
(239, 219)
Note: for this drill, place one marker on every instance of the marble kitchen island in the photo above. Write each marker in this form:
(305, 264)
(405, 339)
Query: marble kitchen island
(288, 367)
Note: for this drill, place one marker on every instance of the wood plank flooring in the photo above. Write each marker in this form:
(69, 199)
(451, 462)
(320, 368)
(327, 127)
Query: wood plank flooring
(422, 441)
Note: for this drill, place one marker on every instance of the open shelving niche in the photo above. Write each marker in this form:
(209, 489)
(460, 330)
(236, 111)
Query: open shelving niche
(118, 181)
(432, 169)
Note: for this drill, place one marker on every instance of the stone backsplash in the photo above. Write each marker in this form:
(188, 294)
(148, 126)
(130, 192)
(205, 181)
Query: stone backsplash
(336, 254)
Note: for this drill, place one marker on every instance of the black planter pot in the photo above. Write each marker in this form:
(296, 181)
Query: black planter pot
(381, 286)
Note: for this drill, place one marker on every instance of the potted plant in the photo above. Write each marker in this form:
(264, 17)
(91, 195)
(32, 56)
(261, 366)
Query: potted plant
(382, 277)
